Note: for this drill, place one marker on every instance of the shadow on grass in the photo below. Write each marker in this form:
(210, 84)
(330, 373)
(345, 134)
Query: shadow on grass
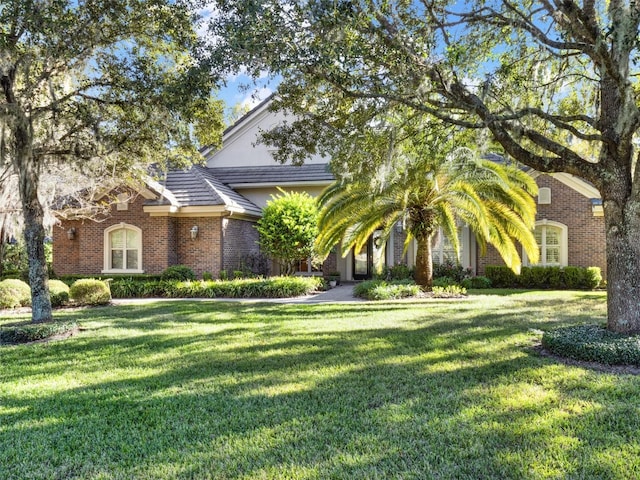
(447, 396)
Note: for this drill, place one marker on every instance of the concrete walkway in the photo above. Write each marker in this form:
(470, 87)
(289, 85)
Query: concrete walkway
(339, 294)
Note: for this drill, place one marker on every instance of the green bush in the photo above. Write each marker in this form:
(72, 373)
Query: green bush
(545, 277)
(14, 293)
(207, 276)
(178, 272)
(593, 343)
(501, 276)
(34, 331)
(274, 287)
(574, 277)
(59, 293)
(90, 291)
(476, 282)
(449, 291)
(592, 277)
(451, 269)
(384, 290)
(444, 281)
(396, 272)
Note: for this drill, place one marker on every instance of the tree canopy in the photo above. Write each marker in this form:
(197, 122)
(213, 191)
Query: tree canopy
(553, 82)
(95, 84)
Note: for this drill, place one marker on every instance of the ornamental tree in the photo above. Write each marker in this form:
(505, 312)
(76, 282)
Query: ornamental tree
(554, 83)
(288, 228)
(97, 84)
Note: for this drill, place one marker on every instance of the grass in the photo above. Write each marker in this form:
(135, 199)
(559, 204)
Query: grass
(408, 390)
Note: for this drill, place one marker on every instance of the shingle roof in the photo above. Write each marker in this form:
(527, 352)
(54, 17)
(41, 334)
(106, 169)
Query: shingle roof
(198, 187)
(273, 174)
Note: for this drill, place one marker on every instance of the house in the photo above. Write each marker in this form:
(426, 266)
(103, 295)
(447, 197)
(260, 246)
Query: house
(204, 217)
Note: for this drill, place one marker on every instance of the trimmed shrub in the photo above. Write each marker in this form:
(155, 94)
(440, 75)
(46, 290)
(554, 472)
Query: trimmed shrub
(478, 282)
(574, 277)
(59, 293)
(14, 293)
(274, 287)
(35, 331)
(545, 277)
(593, 343)
(383, 290)
(450, 291)
(501, 276)
(178, 272)
(90, 291)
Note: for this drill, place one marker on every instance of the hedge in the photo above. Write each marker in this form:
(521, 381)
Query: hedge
(274, 287)
(545, 277)
(14, 293)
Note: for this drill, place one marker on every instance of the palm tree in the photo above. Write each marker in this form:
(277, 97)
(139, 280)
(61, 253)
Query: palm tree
(433, 191)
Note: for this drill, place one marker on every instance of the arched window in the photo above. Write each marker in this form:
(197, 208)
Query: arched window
(552, 240)
(123, 249)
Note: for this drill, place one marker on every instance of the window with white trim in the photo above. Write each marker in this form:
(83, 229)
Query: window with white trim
(443, 250)
(552, 239)
(123, 249)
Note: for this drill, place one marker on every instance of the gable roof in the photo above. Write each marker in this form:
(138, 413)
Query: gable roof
(196, 187)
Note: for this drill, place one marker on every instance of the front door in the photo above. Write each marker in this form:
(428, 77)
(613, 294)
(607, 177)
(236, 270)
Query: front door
(362, 261)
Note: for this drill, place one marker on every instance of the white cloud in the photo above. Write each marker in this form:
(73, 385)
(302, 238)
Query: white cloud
(255, 97)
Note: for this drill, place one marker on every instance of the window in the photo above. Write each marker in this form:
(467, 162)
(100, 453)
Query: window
(551, 238)
(123, 249)
(443, 251)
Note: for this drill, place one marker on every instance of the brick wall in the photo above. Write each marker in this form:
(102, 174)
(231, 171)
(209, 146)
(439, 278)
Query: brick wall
(203, 253)
(239, 243)
(158, 241)
(586, 233)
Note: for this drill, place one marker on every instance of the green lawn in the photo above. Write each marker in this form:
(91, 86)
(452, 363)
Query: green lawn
(432, 389)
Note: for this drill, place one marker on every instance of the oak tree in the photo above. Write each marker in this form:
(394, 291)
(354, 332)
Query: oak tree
(553, 82)
(97, 84)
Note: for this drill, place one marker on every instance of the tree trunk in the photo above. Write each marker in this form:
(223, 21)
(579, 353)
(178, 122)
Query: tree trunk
(424, 263)
(28, 170)
(623, 266)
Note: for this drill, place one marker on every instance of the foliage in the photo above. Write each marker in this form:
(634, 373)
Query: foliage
(273, 287)
(593, 343)
(35, 331)
(478, 282)
(451, 269)
(430, 186)
(103, 88)
(178, 272)
(396, 272)
(251, 264)
(386, 290)
(555, 85)
(14, 293)
(288, 228)
(59, 292)
(207, 276)
(90, 291)
(545, 277)
(449, 291)
(444, 281)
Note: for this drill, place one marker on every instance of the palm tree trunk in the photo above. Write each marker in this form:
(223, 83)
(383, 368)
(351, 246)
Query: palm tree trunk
(424, 263)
